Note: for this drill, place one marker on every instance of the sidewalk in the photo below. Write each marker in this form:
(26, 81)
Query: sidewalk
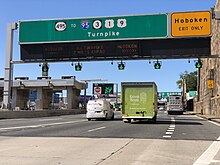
(208, 117)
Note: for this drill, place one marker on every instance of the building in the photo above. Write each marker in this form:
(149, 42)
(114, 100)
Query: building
(208, 99)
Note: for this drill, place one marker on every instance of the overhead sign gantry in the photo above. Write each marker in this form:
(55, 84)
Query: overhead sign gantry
(136, 37)
(159, 36)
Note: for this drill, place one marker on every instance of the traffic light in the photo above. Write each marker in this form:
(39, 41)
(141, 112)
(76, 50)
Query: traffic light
(157, 65)
(78, 67)
(108, 88)
(121, 66)
(198, 64)
(45, 68)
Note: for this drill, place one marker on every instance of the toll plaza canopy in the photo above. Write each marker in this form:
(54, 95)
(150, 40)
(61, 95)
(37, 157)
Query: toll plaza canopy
(159, 36)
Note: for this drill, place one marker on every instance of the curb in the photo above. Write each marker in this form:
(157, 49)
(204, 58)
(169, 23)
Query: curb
(212, 118)
(207, 117)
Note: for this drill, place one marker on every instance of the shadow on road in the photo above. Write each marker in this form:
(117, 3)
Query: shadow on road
(160, 122)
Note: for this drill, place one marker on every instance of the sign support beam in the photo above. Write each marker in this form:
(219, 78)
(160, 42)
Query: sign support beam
(8, 67)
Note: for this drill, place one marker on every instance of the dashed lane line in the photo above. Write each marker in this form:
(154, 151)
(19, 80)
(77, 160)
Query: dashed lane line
(95, 129)
(171, 129)
(169, 133)
(166, 136)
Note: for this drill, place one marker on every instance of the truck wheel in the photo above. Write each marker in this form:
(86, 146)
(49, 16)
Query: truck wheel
(89, 119)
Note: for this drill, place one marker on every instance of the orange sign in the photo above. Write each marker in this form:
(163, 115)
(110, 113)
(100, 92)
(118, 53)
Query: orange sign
(191, 24)
(210, 84)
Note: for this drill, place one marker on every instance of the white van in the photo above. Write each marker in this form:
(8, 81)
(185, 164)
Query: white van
(99, 109)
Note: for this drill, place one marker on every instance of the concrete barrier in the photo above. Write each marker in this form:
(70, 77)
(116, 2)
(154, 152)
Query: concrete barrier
(38, 113)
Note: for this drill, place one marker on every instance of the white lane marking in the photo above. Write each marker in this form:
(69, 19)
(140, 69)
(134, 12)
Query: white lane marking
(171, 128)
(166, 136)
(198, 117)
(209, 121)
(207, 157)
(50, 119)
(41, 125)
(215, 161)
(95, 129)
(169, 133)
(214, 123)
(172, 118)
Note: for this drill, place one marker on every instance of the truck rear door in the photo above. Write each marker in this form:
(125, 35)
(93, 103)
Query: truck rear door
(138, 101)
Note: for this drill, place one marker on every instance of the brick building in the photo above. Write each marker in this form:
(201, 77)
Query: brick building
(208, 100)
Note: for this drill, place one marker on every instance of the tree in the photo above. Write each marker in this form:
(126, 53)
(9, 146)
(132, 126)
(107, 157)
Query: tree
(190, 79)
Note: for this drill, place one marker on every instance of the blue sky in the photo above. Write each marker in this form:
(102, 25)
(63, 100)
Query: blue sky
(166, 77)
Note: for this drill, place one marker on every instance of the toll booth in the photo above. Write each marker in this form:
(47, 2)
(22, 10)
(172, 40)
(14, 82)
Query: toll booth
(44, 88)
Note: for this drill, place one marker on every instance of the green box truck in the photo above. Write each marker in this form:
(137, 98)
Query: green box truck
(139, 101)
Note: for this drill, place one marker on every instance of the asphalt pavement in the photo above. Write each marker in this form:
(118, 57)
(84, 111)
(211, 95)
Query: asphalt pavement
(71, 139)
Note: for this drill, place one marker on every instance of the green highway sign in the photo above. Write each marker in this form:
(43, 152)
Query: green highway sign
(93, 29)
(106, 88)
(164, 95)
(192, 93)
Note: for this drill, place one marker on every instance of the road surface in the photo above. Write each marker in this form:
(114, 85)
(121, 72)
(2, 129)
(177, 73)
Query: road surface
(68, 140)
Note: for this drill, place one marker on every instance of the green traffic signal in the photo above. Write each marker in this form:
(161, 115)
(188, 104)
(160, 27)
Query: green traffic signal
(108, 90)
(78, 67)
(198, 64)
(157, 65)
(45, 68)
(121, 66)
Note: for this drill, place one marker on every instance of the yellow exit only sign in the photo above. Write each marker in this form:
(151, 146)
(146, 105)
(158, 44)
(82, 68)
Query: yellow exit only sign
(191, 24)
